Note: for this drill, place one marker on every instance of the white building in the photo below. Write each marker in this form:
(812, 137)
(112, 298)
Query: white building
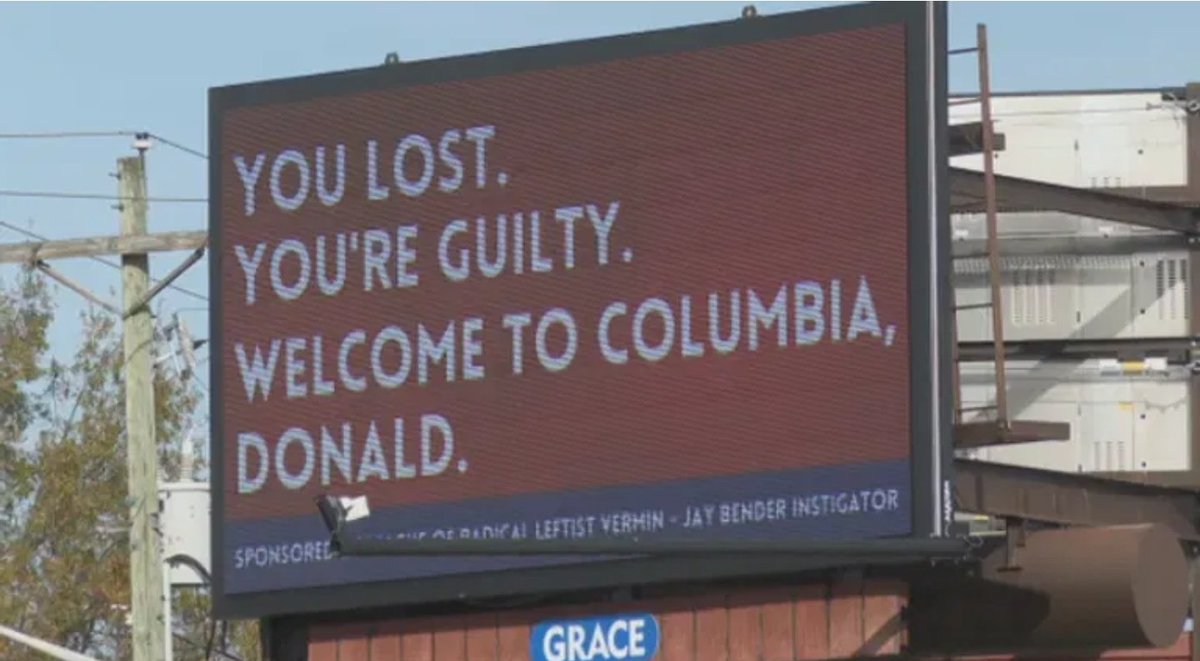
(1103, 308)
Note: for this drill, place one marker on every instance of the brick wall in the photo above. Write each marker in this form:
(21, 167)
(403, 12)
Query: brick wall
(852, 618)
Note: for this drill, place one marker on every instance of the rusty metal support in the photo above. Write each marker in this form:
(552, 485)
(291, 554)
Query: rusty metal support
(1194, 609)
(966, 138)
(1015, 194)
(986, 433)
(1176, 350)
(1071, 499)
(1001, 430)
(955, 374)
(993, 239)
(1083, 589)
(1014, 541)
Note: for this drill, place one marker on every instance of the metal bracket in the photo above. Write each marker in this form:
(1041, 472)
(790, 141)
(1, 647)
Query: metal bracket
(1014, 541)
(74, 286)
(166, 281)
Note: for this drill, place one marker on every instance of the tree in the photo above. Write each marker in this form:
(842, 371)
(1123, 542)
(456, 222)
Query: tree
(63, 477)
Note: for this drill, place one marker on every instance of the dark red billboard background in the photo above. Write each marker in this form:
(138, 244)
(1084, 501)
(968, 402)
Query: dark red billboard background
(776, 170)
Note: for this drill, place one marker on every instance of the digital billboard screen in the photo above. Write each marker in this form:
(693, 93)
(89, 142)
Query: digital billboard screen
(674, 285)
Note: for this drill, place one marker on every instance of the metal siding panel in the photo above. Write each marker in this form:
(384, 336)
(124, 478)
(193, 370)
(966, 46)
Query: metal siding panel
(812, 622)
(1096, 227)
(323, 643)
(1108, 412)
(745, 626)
(1087, 296)
(1103, 144)
(1161, 425)
(712, 628)
(450, 643)
(678, 624)
(970, 278)
(1105, 297)
(978, 387)
(1040, 297)
(355, 646)
(1039, 223)
(786, 623)
(778, 625)
(416, 640)
(1160, 294)
(385, 644)
(1034, 395)
(512, 637)
(883, 621)
(971, 288)
(482, 638)
(1107, 430)
(1069, 138)
(846, 619)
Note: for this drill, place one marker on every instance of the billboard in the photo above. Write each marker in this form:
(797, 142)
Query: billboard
(675, 284)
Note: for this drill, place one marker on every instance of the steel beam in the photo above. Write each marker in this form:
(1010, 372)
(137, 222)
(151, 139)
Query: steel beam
(1192, 478)
(1180, 195)
(989, 432)
(1031, 246)
(967, 138)
(1071, 499)
(1177, 350)
(1015, 194)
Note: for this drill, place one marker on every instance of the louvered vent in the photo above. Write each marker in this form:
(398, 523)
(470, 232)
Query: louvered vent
(1110, 456)
(1032, 287)
(1171, 289)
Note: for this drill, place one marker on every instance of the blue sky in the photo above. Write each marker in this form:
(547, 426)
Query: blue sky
(143, 66)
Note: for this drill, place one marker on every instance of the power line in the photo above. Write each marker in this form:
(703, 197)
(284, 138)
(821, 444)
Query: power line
(182, 148)
(56, 135)
(38, 237)
(66, 134)
(94, 196)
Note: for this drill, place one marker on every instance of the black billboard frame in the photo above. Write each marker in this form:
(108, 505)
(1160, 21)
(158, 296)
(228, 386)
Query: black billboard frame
(930, 295)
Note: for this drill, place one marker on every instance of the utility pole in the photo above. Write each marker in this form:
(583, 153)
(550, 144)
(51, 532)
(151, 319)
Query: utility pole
(145, 565)
(151, 637)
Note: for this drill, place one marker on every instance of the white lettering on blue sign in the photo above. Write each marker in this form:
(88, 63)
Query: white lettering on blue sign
(610, 638)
